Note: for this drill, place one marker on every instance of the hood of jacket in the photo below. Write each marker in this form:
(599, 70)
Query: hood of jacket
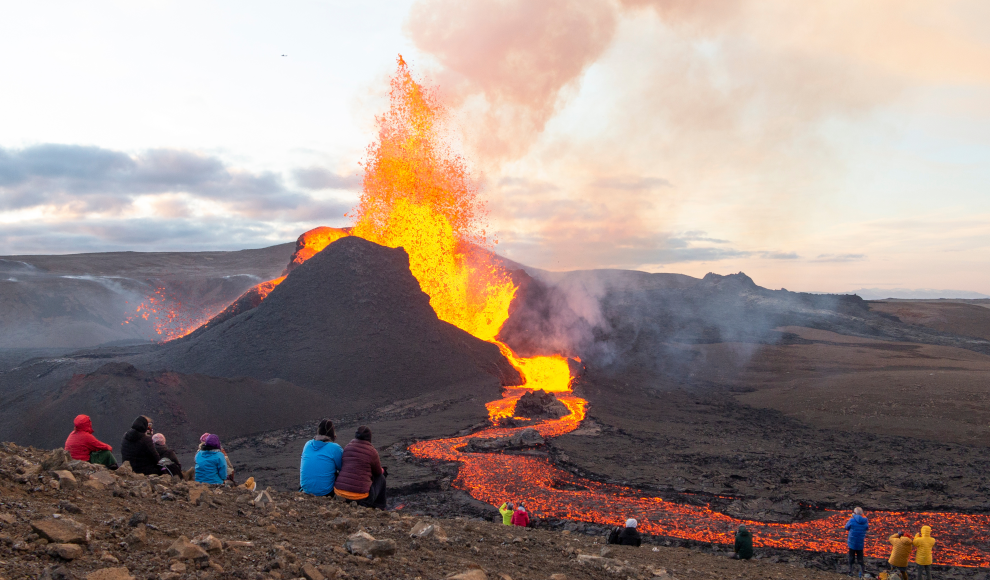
(83, 423)
(859, 519)
(926, 531)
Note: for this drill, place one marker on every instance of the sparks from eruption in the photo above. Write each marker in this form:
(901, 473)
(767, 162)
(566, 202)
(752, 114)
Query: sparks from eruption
(169, 317)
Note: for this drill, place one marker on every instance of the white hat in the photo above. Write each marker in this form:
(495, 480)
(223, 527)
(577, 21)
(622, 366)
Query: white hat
(630, 523)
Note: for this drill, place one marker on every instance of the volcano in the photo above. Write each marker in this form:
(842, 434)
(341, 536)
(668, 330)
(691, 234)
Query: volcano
(352, 323)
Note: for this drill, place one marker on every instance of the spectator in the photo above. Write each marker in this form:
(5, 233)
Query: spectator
(362, 478)
(744, 544)
(520, 517)
(629, 536)
(169, 460)
(506, 511)
(924, 542)
(138, 448)
(857, 526)
(900, 553)
(211, 465)
(320, 462)
(83, 446)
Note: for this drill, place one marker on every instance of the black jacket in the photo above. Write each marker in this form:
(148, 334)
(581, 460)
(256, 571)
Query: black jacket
(744, 544)
(138, 448)
(629, 537)
(166, 453)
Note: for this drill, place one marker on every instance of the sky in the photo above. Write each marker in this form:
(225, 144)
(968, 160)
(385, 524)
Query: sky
(814, 146)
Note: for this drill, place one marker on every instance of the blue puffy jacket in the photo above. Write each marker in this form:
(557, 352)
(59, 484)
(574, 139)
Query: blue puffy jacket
(211, 466)
(319, 466)
(857, 526)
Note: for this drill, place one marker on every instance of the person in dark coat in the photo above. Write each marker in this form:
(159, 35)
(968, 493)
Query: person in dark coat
(629, 536)
(744, 544)
(857, 526)
(138, 448)
(361, 477)
(169, 460)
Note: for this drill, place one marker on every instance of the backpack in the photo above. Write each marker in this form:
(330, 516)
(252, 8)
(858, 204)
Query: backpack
(613, 536)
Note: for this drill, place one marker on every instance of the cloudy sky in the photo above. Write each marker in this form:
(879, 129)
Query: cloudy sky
(814, 146)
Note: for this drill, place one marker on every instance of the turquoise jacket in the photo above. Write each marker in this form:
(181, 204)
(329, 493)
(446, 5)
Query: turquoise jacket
(211, 466)
(319, 466)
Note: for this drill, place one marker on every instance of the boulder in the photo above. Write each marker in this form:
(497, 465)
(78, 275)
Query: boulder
(57, 573)
(66, 480)
(364, 544)
(61, 530)
(104, 477)
(311, 572)
(210, 543)
(69, 507)
(138, 536)
(120, 573)
(183, 549)
(264, 499)
(523, 439)
(66, 551)
(473, 574)
(57, 460)
(540, 404)
(425, 530)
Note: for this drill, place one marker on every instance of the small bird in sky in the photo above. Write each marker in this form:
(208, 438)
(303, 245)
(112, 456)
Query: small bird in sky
(285, 55)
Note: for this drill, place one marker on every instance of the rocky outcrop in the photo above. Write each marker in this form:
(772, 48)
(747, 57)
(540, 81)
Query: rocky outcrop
(540, 404)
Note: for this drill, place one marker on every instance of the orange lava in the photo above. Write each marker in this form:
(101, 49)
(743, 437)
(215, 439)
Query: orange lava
(168, 315)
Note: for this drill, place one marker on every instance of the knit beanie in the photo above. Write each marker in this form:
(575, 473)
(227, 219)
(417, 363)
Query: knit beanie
(140, 424)
(630, 523)
(202, 438)
(363, 433)
(213, 440)
(158, 438)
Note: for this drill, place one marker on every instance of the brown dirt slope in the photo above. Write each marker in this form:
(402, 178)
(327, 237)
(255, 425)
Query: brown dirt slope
(131, 522)
(352, 323)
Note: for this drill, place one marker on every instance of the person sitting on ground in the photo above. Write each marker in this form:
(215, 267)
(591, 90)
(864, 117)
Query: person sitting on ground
(520, 517)
(138, 448)
(169, 460)
(82, 445)
(923, 555)
(744, 544)
(506, 511)
(857, 526)
(901, 551)
(211, 467)
(320, 462)
(361, 477)
(629, 536)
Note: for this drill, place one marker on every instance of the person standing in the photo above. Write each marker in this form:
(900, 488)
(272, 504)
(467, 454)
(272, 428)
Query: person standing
(320, 462)
(362, 477)
(506, 510)
(138, 448)
(923, 543)
(744, 544)
(82, 445)
(902, 544)
(857, 526)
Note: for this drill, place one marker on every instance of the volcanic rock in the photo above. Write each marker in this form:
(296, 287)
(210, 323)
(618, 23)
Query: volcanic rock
(183, 549)
(350, 320)
(120, 573)
(540, 404)
(473, 574)
(425, 530)
(364, 544)
(523, 439)
(66, 551)
(61, 530)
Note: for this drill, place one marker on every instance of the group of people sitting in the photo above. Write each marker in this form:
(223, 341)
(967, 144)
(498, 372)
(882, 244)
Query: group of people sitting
(148, 453)
(353, 473)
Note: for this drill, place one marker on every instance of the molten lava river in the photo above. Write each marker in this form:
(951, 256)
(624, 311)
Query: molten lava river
(550, 492)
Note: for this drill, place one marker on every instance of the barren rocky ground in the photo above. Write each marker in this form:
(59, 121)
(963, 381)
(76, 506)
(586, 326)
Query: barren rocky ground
(75, 520)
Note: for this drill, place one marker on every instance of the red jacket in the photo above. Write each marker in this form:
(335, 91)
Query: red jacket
(81, 441)
(358, 464)
(520, 518)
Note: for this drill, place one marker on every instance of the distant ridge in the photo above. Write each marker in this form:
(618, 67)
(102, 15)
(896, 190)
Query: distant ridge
(915, 294)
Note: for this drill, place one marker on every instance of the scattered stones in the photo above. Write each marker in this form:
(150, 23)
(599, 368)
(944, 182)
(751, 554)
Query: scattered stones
(56, 460)
(138, 536)
(120, 573)
(210, 543)
(57, 573)
(311, 572)
(343, 524)
(364, 544)
(137, 519)
(61, 530)
(66, 551)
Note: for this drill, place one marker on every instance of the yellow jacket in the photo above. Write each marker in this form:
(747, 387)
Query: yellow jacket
(506, 514)
(901, 552)
(924, 542)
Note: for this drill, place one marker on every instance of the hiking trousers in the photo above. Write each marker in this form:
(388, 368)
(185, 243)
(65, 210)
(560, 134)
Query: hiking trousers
(927, 571)
(856, 556)
(376, 495)
(104, 458)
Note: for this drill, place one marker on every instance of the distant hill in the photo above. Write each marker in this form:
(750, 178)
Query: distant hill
(914, 294)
